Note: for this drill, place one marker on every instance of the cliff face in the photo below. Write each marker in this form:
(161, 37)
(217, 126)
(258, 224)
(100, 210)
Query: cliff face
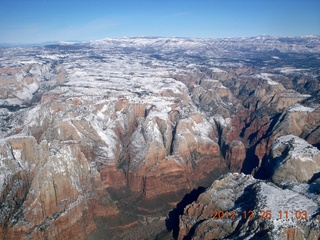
(252, 208)
(48, 190)
(95, 137)
(294, 160)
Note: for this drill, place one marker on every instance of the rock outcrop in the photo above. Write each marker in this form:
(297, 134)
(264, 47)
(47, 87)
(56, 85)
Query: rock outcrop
(235, 155)
(49, 192)
(103, 138)
(293, 160)
(251, 209)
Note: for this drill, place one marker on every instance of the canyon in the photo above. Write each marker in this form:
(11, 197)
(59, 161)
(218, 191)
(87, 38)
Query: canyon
(104, 139)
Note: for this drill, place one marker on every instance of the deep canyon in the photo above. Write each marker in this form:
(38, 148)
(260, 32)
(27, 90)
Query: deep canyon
(143, 138)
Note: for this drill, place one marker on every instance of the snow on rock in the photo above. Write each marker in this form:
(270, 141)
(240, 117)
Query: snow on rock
(26, 93)
(266, 76)
(224, 122)
(217, 70)
(290, 69)
(116, 105)
(250, 209)
(108, 138)
(294, 160)
(275, 199)
(299, 108)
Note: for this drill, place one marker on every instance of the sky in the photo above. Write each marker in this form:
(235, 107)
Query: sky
(36, 21)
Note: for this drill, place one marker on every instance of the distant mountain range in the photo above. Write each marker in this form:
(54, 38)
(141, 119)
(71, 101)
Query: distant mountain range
(263, 37)
(161, 138)
(33, 44)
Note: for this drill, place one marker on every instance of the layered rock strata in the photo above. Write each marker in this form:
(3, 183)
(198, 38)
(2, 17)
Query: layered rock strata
(101, 137)
(252, 209)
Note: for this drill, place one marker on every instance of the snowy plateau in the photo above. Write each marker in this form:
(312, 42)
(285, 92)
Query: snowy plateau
(144, 138)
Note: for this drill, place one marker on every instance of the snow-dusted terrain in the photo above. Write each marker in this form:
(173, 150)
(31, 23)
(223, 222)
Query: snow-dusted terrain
(99, 136)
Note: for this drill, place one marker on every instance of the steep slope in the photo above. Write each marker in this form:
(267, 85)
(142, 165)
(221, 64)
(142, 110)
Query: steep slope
(102, 139)
(252, 209)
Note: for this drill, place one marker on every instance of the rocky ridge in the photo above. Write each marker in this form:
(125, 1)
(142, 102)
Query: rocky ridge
(101, 135)
(252, 209)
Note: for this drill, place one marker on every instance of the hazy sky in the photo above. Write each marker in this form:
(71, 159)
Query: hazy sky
(31, 21)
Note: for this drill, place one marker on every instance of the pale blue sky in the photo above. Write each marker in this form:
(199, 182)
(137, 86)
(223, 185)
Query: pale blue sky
(32, 21)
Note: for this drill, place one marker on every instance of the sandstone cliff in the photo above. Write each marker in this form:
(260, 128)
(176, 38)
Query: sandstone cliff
(251, 209)
(104, 138)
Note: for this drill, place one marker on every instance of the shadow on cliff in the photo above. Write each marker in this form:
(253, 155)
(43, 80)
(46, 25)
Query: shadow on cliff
(250, 162)
(315, 179)
(172, 222)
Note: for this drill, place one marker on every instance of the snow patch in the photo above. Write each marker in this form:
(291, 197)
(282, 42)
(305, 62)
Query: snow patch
(290, 69)
(299, 148)
(217, 70)
(266, 76)
(224, 122)
(299, 108)
(106, 136)
(277, 199)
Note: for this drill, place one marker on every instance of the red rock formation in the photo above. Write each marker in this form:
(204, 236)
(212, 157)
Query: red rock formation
(132, 132)
(235, 155)
(222, 211)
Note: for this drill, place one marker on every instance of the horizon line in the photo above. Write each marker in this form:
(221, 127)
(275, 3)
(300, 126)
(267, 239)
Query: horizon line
(50, 42)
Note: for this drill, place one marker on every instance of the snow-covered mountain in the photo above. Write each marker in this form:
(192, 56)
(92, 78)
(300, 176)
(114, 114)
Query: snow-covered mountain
(101, 139)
